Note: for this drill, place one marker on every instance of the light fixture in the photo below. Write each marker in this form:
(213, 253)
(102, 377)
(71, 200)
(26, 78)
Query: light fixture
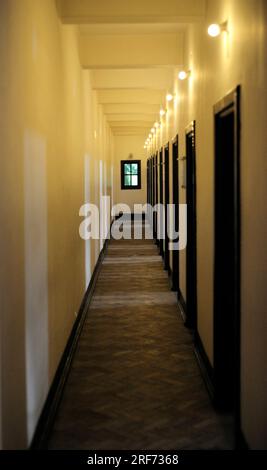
(162, 112)
(184, 74)
(156, 125)
(169, 97)
(150, 136)
(153, 130)
(216, 29)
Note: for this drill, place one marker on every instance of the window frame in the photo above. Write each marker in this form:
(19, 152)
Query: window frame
(138, 186)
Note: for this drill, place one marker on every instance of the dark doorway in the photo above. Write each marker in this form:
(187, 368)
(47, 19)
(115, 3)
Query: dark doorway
(152, 182)
(191, 248)
(175, 201)
(161, 194)
(147, 182)
(227, 254)
(155, 194)
(166, 203)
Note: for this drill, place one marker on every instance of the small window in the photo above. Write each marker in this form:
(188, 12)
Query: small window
(131, 174)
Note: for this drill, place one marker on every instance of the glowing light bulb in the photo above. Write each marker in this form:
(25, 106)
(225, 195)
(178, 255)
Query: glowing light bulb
(162, 112)
(153, 130)
(182, 75)
(214, 30)
(169, 97)
(156, 125)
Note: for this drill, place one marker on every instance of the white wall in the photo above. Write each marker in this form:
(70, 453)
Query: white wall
(50, 123)
(124, 146)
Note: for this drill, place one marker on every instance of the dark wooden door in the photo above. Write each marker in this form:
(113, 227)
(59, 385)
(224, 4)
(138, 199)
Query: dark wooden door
(227, 254)
(153, 195)
(155, 200)
(156, 195)
(147, 181)
(161, 196)
(175, 201)
(191, 269)
(166, 203)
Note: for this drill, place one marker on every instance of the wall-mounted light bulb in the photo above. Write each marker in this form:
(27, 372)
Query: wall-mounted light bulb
(162, 112)
(169, 97)
(216, 29)
(156, 125)
(150, 136)
(183, 74)
(153, 130)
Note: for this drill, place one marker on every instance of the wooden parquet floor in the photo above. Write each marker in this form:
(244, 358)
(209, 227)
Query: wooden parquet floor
(134, 381)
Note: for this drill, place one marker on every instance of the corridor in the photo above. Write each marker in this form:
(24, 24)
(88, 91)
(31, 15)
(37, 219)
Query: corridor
(147, 109)
(134, 381)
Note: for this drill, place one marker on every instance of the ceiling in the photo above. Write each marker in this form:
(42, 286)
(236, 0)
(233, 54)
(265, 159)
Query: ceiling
(133, 50)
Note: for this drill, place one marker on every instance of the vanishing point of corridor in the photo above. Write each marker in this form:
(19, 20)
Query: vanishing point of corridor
(134, 381)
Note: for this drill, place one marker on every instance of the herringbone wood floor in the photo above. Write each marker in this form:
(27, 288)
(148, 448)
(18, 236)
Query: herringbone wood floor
(134, 382)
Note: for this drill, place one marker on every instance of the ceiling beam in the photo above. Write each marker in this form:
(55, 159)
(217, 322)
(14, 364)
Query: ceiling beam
(104, 51)
(135, 78)
(139, 124)
(132, 117)
(129, 133)
(137, 11)
(153, 97)
(131, 108)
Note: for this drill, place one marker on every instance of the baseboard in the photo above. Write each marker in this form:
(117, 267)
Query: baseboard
(182, 304)
(54, 396)
(204, 365)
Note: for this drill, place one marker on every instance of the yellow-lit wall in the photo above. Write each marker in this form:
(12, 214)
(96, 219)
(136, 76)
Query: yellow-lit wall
(218, 65)
(50, 126)
(57, 152)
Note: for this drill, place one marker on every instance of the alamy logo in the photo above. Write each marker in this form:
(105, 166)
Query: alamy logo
(159, 222)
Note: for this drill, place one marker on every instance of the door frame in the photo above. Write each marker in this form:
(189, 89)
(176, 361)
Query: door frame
(157, 191)
(166, 202)
(191, 247)
(175, 200)
(151, 179)
(153, 196)
(231, 102)
(155, 173)
(161, 194)
(148, 180)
